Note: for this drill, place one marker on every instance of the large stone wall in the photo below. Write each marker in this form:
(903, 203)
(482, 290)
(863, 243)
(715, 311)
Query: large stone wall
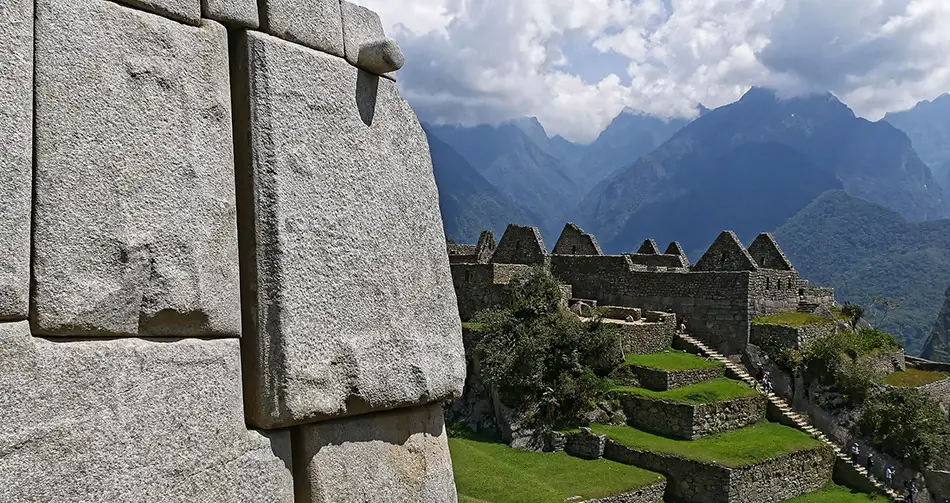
(225, 305)
(692, 421)
(715, 304)
(480, 286)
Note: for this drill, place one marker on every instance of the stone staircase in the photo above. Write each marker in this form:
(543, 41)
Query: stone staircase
(801, 422)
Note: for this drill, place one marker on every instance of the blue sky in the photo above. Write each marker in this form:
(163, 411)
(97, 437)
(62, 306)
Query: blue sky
(576, 64)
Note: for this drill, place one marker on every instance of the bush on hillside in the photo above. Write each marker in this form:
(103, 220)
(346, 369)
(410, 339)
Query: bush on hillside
(541, 358)
(835, 359)
(907, 423)
(852, 313)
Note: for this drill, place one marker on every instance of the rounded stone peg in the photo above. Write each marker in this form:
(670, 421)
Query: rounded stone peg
(381, 57)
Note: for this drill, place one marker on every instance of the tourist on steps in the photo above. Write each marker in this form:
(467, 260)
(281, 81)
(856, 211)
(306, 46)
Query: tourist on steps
(855, 452)
(911, 491)
(766, 383)
(889, 475)
(870, 465)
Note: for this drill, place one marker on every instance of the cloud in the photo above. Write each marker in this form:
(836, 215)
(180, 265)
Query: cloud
(576, 64)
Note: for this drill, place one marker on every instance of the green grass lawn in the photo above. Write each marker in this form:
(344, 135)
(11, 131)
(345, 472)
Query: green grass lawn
(715, 390)
(734, 448)
(795, 320)
(490, 472)
(672, 360)
(837, 494)
(472, 325)
(914, 377)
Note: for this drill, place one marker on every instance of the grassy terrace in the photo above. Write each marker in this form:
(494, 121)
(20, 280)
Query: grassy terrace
(711, 391)
(735, 448)
(472, 325)
(837, 494)
(489, 472)
(795, 320)
(672, 360)
(914, 377)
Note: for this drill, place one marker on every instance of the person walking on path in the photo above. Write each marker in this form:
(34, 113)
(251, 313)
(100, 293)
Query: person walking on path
(911, 491)
(889, 475)
(855, 452)
(870, 465)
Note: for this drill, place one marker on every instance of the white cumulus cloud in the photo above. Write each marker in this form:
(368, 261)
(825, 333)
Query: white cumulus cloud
(576, 64)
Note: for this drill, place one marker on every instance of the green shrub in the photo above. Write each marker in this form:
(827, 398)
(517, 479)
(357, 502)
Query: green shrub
(852, 313)
(541, 358)
(908, 424)
(835, 359)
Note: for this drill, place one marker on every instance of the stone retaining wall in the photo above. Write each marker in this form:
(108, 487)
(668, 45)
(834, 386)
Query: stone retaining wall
(224, 274)
(782, 478)
(663, 380)
(689, 421)
(775, 338)
(650, 494)
(653, 334)
(585, 445)
(768, 481)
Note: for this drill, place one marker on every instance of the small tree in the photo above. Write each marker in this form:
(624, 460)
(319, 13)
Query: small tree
(852, 313)
(908, 424)
(542, 359)
(883, 304)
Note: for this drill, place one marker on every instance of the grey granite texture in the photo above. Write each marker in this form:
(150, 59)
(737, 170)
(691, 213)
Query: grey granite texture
(135, 214)
(396, 456)
(186, 11)
(16, 154)
(314, 23)
(350, 306)
(131, 420)
(366, 45)
(232, 12)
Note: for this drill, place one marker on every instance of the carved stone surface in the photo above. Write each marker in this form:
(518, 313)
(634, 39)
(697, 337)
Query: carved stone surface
(237, 12)
(314, 23)
(135, 230)
(188, 11)
(131, 420)
(16, 156)
(392, 456)
(350, 299)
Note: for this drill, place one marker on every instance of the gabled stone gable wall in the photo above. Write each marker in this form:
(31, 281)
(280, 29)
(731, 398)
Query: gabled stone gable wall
(574, 241)
(520, 245)
(726, 254)
(227, 307)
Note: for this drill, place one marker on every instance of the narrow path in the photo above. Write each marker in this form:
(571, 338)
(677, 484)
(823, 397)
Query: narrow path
(801, 422)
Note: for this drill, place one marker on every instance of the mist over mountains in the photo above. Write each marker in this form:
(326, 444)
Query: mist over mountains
(853, 202)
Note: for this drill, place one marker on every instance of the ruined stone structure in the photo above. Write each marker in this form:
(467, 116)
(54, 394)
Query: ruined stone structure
(718, 296)
(206, 289)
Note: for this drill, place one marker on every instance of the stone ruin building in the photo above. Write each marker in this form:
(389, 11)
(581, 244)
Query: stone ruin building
(718, 296)
(206, 288)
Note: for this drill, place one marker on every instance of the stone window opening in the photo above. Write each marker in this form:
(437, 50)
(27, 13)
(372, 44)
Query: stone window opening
(768, 283)
(574, 250)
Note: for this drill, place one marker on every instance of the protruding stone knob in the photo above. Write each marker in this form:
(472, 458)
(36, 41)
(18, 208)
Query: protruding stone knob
(381, 57)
